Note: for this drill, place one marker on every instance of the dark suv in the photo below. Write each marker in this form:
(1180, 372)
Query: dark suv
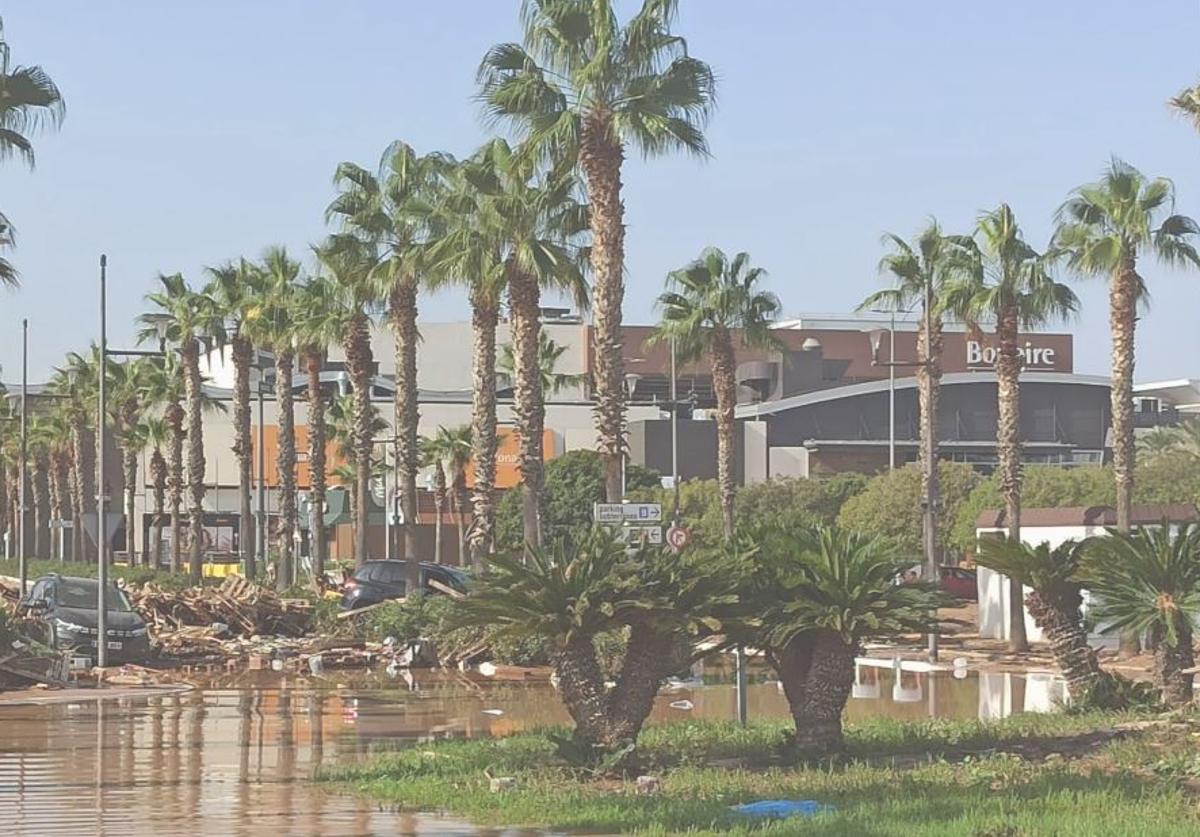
(379, 581)
(68, 609)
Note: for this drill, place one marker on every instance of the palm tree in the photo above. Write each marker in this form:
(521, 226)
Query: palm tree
(431, 457)
(192, 318)
(74, 383)
(273, 328)
(1105, 228)
(1054, 602)
(391, 210)
(163, 390)
(320, 320)
(1148, 581)
(237, 290)
(549, 353)
(347, 262)
(580, 89)
(58, 437)
(1187, 103)
(449, 452)
(39, 442)
(155, 433)
(920, 273)
(819, 594)
(705, 303)
(1012, 288)
(29, 99)
(126, 388)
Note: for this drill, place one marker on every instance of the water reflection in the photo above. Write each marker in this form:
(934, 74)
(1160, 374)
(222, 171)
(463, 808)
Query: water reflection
(236, 756)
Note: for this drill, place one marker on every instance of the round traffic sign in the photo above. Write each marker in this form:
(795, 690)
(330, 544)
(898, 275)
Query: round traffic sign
(678, 537)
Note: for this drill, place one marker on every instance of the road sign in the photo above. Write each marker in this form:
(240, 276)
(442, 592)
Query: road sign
(608, 513)
(643, 512)
(112, 522)
(635, 535)
(678, 537)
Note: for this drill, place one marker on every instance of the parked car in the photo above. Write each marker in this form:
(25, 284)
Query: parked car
(381, 581)
(958, 582)
(68, 609)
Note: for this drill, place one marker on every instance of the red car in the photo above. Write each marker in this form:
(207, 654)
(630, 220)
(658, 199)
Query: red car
(959, 582)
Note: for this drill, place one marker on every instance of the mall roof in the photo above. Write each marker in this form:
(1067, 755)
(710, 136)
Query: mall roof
(1182, 393)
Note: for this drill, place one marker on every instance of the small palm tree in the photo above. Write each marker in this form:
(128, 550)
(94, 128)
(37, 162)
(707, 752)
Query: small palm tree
(237, 289)
(580, 89)
(1104, 229)
(58, 439)
(156, 434)
(431, 458)
(1013, 289)
(74, 383)
(704, 305)
(38, 447)
(163, 391)
(819, 594)
(1054, 602)
(1148, 581)
(193, 319)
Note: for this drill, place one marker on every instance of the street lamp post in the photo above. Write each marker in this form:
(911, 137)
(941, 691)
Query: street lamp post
(674, 438)
(101, 525)
(21, 496)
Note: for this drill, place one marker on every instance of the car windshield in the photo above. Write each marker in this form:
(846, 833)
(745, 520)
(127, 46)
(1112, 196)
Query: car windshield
(82, 595)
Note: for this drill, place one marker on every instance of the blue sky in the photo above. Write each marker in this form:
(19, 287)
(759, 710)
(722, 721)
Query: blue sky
(197, 132)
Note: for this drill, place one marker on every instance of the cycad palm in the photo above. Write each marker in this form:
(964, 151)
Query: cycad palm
(1105, 228)
(704, 304)
(1148, 581)
(581, 88)
(819, 594)
(1013, 289)
(392, 210)
(193, 318)
(237, 289)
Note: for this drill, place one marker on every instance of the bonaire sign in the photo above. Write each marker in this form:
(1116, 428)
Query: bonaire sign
(1035, 357)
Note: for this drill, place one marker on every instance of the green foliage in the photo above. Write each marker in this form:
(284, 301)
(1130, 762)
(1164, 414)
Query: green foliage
(418, 617)
(890, 505)
(574, 482)
(1039, 567)
(1147, 580)
(699, 508)
(129, 576)
(829, 579)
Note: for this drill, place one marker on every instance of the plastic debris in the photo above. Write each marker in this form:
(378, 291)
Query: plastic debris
(778, 809)
(495, 712)
(683, 705)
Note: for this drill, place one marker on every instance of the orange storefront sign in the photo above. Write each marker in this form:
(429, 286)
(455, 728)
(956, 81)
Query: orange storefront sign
(508, 456)
(271, 447)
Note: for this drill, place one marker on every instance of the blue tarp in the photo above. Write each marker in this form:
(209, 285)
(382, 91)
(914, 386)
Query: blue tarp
(778, 809)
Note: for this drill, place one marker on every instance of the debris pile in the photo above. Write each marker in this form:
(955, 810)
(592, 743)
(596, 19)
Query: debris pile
(239, 607)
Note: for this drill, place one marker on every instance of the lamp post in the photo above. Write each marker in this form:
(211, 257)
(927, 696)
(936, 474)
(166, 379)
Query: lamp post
(101, 525)
(931, 500)
(21, 497)
(674, 438)
(261, 363)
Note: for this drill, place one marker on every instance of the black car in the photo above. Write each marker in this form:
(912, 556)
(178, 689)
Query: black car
(379, 581)
(68, 608)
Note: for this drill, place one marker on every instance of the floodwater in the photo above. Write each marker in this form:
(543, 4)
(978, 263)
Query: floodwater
(237, 754)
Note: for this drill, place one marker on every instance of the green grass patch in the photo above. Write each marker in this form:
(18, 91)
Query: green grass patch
(1030, 774)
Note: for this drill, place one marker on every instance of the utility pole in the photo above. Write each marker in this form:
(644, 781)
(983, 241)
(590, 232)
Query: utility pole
(260, 524)
(674, 438)
(101, 523)
(23, 569)
(932, 500)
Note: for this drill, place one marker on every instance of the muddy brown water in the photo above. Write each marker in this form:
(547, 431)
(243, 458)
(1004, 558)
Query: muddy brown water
(237, 754)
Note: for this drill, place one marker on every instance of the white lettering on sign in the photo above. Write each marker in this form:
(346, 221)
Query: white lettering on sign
(980, 355)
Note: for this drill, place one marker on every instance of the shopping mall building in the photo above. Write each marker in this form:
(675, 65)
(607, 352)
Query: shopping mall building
(837, 396)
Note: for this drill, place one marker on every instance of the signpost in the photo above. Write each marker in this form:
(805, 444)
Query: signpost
(637, 535)
(678, 537)
(639, 522)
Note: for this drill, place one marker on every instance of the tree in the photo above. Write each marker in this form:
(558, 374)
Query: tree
(1012, 288)
(38, 450)
(125, 404)
(273, 326)
(580, 89)
(1148, 581)
(392, 210)
(890, 505)
(192, 318)
(431, 457)
(704, 304)
(57, 426)
(237, 289)
(1187, 103)
(156, 434)
(588, 586)
(1054, 602)
(163, 385)
(920, 273)
(1104, 229)
(449, 452)
(348, 262)
(818, 595)
(29, 100)
(74, 383)
(319, 320)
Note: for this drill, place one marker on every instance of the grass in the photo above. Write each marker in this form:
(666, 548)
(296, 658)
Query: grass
(133, 576)
(931, 778)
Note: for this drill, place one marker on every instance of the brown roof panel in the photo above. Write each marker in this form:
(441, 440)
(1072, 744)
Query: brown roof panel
(1140, 515)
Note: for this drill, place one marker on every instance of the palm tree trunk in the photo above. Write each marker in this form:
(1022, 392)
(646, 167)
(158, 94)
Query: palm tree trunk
(1057, 613)
(175, 419)
(460, 505)
(158, 475)
(286, 465)
(1123, 296)
(75, 514)
(827, 683)
(529, 405)
(41, 507)
(316, 461)
(243, 448)
(402, 315)
(601, 159)
(929, 388)
(1008, 450)
(439, 502)
(581, 686)
(55, 499)
(129, 470)
(357, 345)
(1170, 663)
(650, 657)
(484, 315)
(83, 487)
(195, 460)
(725, 384)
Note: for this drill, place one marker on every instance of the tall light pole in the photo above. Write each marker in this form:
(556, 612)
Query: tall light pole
(101, 522)
(23, 569)
(260, 521)
(674, 438)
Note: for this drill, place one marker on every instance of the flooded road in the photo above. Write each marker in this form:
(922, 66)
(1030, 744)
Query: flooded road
(236, 755)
